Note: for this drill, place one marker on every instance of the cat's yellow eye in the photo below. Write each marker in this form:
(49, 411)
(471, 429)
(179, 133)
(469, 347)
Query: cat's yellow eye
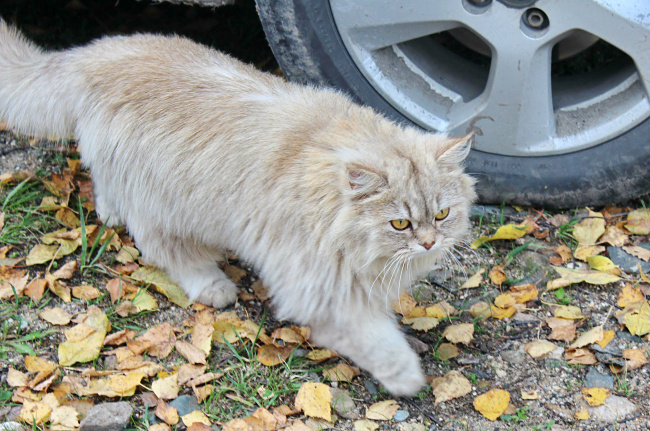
(442, 214)
(400, 224)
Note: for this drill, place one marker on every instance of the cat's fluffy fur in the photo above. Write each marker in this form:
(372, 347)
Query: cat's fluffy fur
(198, 153)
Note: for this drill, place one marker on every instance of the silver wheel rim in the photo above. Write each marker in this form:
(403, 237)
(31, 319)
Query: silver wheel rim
(514, 106)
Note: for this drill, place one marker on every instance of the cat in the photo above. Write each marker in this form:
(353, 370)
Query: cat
(337, 207)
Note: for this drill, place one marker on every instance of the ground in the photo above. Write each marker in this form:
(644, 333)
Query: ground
(542, 282)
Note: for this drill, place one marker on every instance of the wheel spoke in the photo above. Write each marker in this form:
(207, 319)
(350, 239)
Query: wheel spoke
(624, 24)
(373, 27)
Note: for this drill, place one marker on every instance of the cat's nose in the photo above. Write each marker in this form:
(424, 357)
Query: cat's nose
(428, 245)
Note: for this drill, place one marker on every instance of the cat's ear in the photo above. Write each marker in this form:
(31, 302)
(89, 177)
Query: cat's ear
(455, 150)
(364, 182)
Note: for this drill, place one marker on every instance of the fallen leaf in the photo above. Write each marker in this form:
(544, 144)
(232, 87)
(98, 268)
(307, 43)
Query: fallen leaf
(564, 253)
(187, 372)
(404, 304)
(441, 310)
(529, 395)
(161, 339)
(421, 323)
(461, 333)
(35, 413)
(582, 415)
(638, 222)
(507, 231)
(314, 400)
(505, 300)
(640, 252)
(271, 355)
(604, 264)
(144, 301)
(202, 335)
(16, 379)
(58, 288)
(127, 255)
(35, 289)
(196, 416)
(450, 386)
(86, 292)
(474, 281)
(166, 388)
(13, 284)
(55, 316)
(583, 252)
(629, 295)
(562, 329)
(592, 336)
(119, 337)
(66, 271)
(194, 355)
(288, 336)
(365, 425)
(166, 413)
(524, 293)
(595, 396)
(42, 253)
(446, 351)
(615, 236)
(382, 411)
(638, 323)
(580, 356)
(64, 418)
(636, 358)
(568, 312)
(589, 229)
(320, 355)
(341, 373)
(87, 349)
(493, 403)
(607, 337)
(162, 283)
(497, 275)
(539, 349)
(572, 276)
(119, 289)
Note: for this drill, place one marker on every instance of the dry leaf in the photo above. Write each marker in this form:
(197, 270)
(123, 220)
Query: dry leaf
(580, 356)
(119, 337)
(421, 323)
(271, 355)
(144, 301)
(615, 236)
(638, 323)
(167, 413)
(365, 425)
(562, 329)
(524, 293)
(202, 337)
(592, 336)
(587, 231)
(640, 252)
(635, 358)
(320, 355)
(86, 292)
(497, 275)
(571, 276)
(196, 416)
(474, 281)
(595, 396)
(16, 379)
(638, 222)
(161, 339)
(604, 264)
(35, 413)
(447, 351)
(42, 253)
(314, 400)
(56, 316)
(166, 388)
(382, 411)
(529, 395)
(582, 415)
(452, 385)
(539, 349)
(13, 284)
(441, 310)
(507, 231)
(607, 337)
(193, 354)
(564, 253)
(629, 295)
(341, 373)
(505, 300)
(493, 403)
(404, 304)
(162, 283)
(461, 333)
(583, 252)
(568, 312)
(87, 349)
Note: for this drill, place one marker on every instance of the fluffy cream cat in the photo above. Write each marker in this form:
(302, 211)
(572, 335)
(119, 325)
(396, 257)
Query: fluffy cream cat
(338, 208)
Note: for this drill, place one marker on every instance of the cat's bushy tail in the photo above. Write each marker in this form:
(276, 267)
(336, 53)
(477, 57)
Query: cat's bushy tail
(38, 90)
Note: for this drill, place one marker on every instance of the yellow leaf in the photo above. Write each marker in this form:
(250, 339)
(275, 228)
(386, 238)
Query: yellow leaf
(35, 413)
(56, 316)
(13, 283)
(587, 231)
(202, 337)
(193, 354)
(166, 388)
(568, 312)
(271, 355)
(320, 355)
(592, 336)
(529, 395)
(595, 396)
(615, 236)
(86, 350)
(635, 358)
(588, 276)
(498, 275)
(452, 385)
(404, 304)
(540, 348)
(474, 281)
(16, 379)
(582, 415)
(524, 293)
(640, 252)
(66, 271)
(507, 231)
(86, 292)
(35, 364)
(562, 329)
(583, 252)
(604, 264)
(341, 373)
(629, 295)
(638, 222)
(461, 333)
(441, 310)
(492, 404)
(580, 356)
(421, 323)
(162, 283)
(143, 301)
(41, 253)
(196, 416)
(607, 337)
(638, 323)
(505, 300)
(314, 400)
(64, 416)
(127, 254)
(382, 411)
(446, 351)
(365, 425)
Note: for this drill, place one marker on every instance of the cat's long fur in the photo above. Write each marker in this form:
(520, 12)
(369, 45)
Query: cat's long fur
(198, 153)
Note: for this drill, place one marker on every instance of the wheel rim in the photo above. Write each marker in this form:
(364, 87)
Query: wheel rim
(514, 104)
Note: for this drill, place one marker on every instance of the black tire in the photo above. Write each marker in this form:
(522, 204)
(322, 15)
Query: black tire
(305, 41)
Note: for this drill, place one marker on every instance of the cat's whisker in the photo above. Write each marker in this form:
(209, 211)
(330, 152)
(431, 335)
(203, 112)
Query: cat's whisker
(397, 268)
(382, 274)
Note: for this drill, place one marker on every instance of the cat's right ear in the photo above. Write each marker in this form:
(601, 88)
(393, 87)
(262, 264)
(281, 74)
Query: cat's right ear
(363, 182)
(455, 150)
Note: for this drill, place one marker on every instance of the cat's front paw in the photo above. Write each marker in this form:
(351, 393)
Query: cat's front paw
(403, 375)
(215, 292)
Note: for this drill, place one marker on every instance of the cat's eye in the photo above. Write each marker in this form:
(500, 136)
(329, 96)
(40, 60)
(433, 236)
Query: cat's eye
(442, 214)
(400, 224)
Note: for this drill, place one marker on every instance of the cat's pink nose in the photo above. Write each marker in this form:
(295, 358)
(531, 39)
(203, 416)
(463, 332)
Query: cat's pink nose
(428, 245)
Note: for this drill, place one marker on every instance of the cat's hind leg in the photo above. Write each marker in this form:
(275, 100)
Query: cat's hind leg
(194, 267)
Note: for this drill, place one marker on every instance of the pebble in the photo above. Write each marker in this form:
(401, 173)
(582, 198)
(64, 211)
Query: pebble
(623, 335)
(615, 408)
(107, 417)
(12, 426)
(514, 356)
(371, 387)
(185, 404)
(625, 261)
(343, 404)
(401, 416)
(596, 379)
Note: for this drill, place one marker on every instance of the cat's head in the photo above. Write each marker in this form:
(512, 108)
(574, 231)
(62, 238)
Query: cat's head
(408, 191)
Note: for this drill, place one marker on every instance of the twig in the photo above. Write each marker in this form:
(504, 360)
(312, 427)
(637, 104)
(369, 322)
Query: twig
(425, 413)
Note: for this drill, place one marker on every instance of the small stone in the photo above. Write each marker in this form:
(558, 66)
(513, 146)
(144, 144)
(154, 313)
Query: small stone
(513, 356)
(371, 387)
(596, 379)
(418, 345)
(343, 404)
(185, 404)
(615, 408)
(11, 426)
(107, 417)
(627, 262)
(623, 335)
(401, 416)
(414, 427)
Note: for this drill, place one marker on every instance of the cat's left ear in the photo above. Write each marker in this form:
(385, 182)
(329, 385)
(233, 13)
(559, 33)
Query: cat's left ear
(455, 150)
(364, 182)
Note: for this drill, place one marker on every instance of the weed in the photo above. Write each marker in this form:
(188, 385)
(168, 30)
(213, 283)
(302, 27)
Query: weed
(520, 415)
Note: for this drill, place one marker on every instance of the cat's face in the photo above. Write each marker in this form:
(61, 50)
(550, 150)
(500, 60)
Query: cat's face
(415, 204)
